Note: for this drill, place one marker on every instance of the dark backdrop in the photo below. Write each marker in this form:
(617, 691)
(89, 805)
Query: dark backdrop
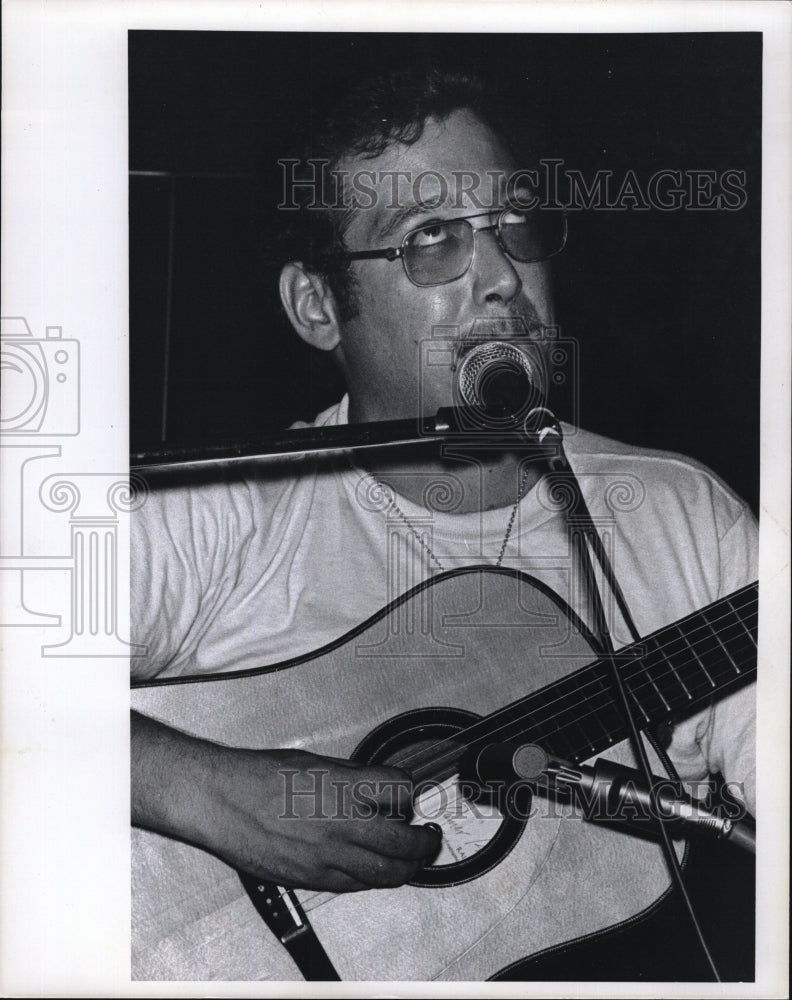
(665, 306)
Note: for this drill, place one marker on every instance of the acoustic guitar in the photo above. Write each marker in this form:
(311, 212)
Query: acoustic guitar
(470, 657)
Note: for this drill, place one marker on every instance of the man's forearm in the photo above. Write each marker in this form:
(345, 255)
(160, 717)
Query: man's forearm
(168, 778)
(233, 802)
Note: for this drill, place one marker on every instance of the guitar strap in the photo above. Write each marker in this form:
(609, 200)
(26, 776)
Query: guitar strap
(281, 911)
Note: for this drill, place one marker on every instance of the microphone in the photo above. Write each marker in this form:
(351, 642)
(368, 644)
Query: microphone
(606, 791)
(500, 379)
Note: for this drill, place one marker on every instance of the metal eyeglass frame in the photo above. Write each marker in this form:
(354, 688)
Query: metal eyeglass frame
(396, 253)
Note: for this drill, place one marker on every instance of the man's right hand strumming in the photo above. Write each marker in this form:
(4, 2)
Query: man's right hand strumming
(290, 817)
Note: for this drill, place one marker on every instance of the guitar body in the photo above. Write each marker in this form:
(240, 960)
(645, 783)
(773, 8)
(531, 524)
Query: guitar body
(459, 647)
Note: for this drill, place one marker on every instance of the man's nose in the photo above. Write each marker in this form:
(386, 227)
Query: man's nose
(494, 276)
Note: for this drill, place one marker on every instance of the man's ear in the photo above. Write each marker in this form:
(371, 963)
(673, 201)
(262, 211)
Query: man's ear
(310, 306)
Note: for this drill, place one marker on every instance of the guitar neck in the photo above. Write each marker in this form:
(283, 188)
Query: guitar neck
(667, 675)
(683, 665)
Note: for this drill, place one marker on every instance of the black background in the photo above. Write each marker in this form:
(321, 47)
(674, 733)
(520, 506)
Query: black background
(665, 306)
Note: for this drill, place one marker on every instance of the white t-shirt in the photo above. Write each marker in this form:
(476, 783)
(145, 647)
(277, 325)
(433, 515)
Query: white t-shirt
(236, 575)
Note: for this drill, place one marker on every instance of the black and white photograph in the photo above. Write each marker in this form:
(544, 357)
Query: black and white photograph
(522, 265)
(435, 569)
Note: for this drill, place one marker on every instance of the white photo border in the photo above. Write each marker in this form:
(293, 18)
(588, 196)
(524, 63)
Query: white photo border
(65, 792)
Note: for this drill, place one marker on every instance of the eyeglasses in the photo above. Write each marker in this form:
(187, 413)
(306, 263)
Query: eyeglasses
(439, 252)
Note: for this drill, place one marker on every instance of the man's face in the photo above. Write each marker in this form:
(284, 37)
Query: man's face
(399, 351)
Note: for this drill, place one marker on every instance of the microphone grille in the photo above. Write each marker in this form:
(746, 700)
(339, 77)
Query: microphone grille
(480, 361)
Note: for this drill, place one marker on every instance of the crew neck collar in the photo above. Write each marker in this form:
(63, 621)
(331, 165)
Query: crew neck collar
(447, 524)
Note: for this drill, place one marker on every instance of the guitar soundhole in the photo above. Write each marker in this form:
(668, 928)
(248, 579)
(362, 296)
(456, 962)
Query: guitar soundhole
(476, 835)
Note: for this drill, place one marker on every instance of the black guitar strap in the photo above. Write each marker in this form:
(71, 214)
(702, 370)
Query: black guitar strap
(281, 911)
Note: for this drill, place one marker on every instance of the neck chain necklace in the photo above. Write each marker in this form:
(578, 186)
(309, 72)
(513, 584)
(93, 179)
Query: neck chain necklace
(391, 495)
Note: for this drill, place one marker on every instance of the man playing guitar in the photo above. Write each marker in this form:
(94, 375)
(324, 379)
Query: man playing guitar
(418, 267)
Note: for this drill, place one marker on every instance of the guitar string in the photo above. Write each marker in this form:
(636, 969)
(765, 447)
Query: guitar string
(563, 698)
(693, 656)
(313, 901)
(316, 899)
(691, 659)
(594, 708)
(634, 690)
(692, 645)
(568, 704)
(696, 646)
(710, 633)
(539, 733)
(608, 703)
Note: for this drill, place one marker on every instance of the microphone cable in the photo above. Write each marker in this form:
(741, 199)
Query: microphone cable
(560, 472)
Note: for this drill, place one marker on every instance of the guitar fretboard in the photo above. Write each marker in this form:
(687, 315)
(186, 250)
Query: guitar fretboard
(667, 675)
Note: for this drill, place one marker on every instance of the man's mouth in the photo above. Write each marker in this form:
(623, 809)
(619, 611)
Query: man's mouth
(523, 331)
(524, 325)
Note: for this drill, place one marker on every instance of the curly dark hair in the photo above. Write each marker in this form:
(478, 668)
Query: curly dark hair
(376, 112)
